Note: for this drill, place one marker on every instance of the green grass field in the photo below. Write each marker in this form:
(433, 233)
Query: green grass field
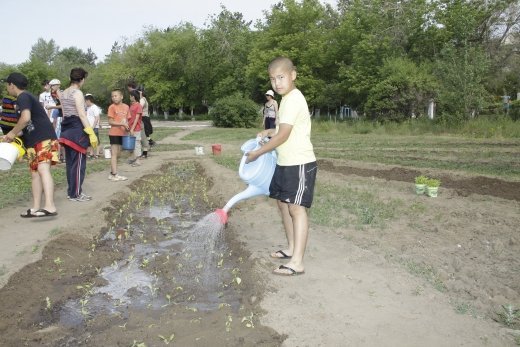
(498, 157)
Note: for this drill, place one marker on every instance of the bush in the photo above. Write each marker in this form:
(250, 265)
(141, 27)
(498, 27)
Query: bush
(514, 111)
(235, 111)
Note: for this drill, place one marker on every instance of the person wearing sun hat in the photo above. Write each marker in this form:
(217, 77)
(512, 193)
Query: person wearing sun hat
(41, 143)
(270, 111)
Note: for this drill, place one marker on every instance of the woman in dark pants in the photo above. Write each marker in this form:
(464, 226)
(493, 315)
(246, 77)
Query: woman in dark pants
(76, 134)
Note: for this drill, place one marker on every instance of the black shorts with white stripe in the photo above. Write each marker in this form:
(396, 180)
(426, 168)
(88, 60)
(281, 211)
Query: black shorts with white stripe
(294, 184)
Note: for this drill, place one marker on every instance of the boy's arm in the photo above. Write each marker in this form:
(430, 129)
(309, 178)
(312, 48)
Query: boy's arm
(137, 118)
(284, 130)
(97, 116)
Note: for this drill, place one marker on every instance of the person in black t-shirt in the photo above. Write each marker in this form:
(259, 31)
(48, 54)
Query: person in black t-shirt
(41, 143)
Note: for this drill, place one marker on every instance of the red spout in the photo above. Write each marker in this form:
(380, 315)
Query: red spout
(222, 215)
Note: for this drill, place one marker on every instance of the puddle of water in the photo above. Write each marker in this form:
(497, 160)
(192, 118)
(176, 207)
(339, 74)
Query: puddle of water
(171, 255)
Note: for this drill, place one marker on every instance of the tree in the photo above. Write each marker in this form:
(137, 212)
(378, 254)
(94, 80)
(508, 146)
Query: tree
(403, 91)
(299, 31)
(461, 73)
(44, 51)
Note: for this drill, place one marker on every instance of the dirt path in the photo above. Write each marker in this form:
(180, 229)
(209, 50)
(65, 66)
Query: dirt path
(353, 293)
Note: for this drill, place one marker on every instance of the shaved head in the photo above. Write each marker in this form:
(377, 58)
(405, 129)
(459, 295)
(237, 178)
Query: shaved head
(282, 63)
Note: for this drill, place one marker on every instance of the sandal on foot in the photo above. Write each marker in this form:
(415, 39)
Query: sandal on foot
(44, 213)
(28, 214)
(287, 271)
(280, 255)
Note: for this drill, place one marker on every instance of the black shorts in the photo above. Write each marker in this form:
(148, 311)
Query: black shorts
(116, 140)
(294, 184)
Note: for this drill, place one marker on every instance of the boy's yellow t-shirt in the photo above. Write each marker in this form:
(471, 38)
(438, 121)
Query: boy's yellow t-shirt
(118, 113)
(298, 148)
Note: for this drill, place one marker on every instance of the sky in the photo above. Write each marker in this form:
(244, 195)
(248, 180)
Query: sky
(99, 23)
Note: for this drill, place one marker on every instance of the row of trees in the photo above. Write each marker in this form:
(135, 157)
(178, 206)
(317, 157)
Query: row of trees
(386, 59)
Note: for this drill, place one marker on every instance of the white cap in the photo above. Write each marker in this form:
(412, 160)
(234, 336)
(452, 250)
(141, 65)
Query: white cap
(54, 81)
(270, 92)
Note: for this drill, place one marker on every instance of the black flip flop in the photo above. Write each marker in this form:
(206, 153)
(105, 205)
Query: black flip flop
(44, 213)
(292, 272)
(28, 214)
(284, 255)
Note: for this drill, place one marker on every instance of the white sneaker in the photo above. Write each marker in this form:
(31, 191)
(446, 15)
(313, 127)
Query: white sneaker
(116, 177)
(81, 198)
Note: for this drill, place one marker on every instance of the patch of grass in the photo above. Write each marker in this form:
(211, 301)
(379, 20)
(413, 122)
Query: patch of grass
(336, 206)
(417, 207)
(171, 147)
(418, 144)
(229, 161)
(215, 135)
(509, 316)
(55, 231)
(424, 271)
(462, 308)
(161, 133)
(3, 270)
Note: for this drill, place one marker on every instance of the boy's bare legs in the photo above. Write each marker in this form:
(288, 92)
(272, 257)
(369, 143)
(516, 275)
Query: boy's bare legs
(42, 183)
(296, 227)
(288, 227)
(113, 159)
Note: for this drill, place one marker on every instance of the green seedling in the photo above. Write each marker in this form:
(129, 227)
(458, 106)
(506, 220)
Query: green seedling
(248, 320)
(433, 182)
(145, 262)
(510, 315)
(84, 310)
(167, 340)
(48, 304)
(229, 320)
(138, 344)
(58, 261)
(421, 179)
(35, 249)
(153, 289)
(235, 272)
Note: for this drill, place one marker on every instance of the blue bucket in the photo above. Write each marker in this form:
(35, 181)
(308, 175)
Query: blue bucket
(128, 143)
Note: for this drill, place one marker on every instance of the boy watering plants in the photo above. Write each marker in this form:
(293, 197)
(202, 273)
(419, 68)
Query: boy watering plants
(293, 180)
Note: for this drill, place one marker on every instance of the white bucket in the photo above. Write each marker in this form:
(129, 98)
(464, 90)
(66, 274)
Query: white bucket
(8, 155)
(199, 150)
(107, 152)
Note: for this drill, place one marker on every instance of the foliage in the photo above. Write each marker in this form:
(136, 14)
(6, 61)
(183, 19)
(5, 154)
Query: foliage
(514, 111)
(433, 182)
(421, 179)
(461, 72)
(384, 59)
(235, 111)
(403, 91)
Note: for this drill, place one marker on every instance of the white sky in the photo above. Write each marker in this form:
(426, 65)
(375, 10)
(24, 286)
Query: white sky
(99, 23)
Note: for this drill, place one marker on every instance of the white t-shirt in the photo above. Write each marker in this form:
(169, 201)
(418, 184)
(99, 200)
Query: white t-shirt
(46, 99)
(93, 113)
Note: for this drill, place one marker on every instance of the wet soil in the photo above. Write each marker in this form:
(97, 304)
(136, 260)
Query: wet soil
(162, 270)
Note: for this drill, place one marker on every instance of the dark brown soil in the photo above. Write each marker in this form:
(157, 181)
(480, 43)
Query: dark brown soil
(463, 187)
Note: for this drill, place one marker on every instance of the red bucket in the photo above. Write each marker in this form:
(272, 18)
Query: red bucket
(216, 149)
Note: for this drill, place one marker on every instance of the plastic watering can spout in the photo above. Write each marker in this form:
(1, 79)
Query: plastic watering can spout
(222, 215)
(249, 192)
(256, 174)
